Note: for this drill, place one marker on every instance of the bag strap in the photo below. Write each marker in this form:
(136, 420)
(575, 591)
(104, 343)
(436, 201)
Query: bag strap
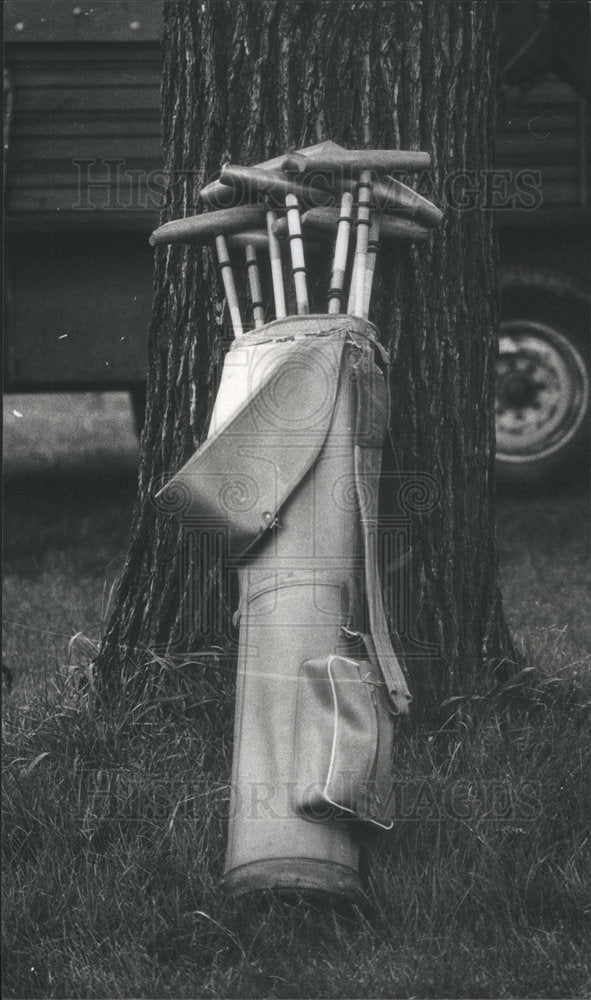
(370, 429)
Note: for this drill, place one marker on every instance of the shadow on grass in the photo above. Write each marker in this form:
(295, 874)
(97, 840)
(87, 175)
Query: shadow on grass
(73, 524)
(70, 472)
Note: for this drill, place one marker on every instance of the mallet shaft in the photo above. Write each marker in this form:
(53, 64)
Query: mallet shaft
(341, 250)
(356, 297)
(372, 251)
(352, 286)
(276, 267)
(254, 281)
(296, 246)
(229, 286)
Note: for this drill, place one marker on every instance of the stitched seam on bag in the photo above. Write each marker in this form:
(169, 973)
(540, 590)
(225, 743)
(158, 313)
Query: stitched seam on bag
(345, 327)
(364, 681)
(238, 727)
(297, 715)
(371, 819)
(335, 733)
(335, 584)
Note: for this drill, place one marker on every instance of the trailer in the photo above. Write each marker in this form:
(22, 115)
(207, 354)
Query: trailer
(84, 186)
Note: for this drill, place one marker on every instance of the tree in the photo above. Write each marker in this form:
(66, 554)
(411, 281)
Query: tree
(253, 80)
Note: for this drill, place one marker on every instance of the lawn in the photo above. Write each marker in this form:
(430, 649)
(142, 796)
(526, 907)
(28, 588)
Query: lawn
(113, 832)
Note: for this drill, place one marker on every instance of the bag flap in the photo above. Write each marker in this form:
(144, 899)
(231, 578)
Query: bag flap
(335, 737)
(244, 473)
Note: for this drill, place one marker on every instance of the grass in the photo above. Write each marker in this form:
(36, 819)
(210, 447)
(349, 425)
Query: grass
(70, 472)
(114, 823)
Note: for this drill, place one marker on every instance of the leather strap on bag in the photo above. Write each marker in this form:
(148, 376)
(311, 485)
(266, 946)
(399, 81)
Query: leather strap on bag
(370, 431)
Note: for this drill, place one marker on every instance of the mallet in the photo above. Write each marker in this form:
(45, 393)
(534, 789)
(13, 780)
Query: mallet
(218, 195)
(213, 227)
(271, 184)
(339, 168)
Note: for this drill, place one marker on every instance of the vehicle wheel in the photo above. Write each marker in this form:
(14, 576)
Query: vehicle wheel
(542, 388)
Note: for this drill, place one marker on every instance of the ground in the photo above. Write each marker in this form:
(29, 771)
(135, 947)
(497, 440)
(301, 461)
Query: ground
(98, 906)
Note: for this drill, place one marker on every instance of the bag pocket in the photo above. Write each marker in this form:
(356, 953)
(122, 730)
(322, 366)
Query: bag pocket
(344, 737)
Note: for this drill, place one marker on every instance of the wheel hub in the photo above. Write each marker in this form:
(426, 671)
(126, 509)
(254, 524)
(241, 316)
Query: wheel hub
(517, 391)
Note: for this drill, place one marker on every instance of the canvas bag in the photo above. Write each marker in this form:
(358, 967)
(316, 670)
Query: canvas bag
(289, 418)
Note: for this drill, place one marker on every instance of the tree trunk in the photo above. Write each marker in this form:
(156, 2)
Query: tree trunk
(251, 80)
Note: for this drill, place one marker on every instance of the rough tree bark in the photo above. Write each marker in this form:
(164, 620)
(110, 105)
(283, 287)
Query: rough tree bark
(256, 79)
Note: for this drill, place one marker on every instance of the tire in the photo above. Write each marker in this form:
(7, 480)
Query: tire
(542, 388)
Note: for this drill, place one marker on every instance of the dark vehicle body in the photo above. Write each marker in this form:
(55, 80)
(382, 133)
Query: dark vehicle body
(83, 182)
(84, 186)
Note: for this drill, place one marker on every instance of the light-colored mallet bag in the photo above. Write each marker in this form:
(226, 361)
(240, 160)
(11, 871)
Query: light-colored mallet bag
(291, 470)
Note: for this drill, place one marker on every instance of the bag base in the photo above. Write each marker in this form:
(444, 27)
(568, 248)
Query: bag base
(286, 876)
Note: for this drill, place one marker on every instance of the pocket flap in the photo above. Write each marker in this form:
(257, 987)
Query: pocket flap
(244, 473)
(335, 737)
